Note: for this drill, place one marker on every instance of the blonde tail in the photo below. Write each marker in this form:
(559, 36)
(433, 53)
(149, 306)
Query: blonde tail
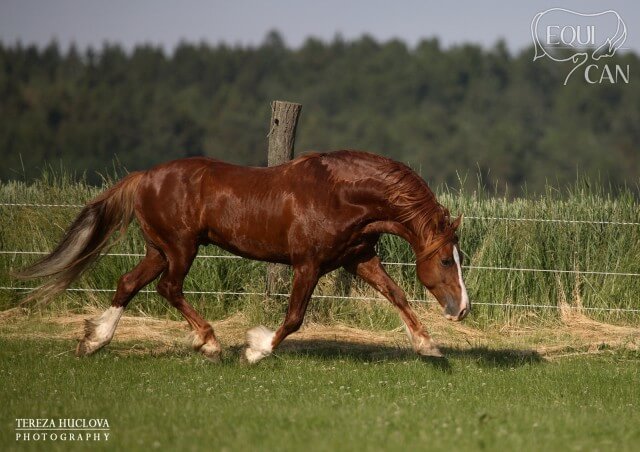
(84, 240)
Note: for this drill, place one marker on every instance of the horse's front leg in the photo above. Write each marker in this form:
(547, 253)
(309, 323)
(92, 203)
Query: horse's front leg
(371, 270)
(260, 340)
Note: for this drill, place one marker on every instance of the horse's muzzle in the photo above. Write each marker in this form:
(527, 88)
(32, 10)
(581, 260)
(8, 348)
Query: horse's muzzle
(454, 313)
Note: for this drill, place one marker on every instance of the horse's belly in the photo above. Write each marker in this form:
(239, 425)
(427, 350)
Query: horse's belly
(261, 244)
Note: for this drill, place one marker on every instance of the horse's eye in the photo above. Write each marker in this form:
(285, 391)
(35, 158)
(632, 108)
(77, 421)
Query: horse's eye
(447, 262)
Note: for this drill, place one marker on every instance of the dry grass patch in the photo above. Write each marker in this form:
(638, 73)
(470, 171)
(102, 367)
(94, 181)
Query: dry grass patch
(575, 334)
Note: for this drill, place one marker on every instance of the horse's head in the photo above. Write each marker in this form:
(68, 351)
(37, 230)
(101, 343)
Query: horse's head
(439, 268)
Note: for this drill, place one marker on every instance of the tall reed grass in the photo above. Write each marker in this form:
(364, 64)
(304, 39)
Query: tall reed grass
(485, 242)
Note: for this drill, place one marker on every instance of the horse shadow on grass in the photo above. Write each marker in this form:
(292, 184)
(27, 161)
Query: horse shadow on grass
(335, 349)
(366, 352)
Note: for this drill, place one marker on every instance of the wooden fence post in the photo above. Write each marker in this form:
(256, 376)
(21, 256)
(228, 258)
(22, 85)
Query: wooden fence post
(282, 137)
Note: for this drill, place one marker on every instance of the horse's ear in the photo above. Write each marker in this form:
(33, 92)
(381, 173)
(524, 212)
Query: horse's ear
(457, 222)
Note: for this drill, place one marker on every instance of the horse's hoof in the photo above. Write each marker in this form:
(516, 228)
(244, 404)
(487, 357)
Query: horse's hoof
(430, 350)
(243, 356)
(81, 349)
(259, 340)
(214, 358)
(212, 352)
(250, 356)
(426, 347)
(86, 348)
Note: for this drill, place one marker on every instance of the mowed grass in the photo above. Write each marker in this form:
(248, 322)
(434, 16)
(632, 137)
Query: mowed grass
(323, 399)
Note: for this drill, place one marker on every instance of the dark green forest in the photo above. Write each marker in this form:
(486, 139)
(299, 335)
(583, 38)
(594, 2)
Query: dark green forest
(451, 113)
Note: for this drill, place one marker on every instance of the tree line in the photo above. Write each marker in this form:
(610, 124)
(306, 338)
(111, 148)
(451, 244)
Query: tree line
(451, 113)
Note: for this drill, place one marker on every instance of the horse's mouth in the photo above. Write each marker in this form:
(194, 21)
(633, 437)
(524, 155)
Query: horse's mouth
(457, 318)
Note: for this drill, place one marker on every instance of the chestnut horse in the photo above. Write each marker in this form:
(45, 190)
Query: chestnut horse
(316, 213)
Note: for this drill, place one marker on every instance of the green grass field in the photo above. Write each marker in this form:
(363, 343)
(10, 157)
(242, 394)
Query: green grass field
(478, 399)
(494, 392)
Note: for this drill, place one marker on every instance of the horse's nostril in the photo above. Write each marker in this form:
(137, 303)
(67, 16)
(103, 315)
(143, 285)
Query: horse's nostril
(463, 313)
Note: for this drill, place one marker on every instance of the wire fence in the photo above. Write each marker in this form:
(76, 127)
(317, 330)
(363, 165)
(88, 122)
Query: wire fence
(365, 298)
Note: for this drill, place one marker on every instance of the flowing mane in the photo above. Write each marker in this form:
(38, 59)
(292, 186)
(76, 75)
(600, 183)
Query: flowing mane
(419, 208)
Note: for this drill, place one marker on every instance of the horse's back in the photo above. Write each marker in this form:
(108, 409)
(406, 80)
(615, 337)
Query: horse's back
(264, 213)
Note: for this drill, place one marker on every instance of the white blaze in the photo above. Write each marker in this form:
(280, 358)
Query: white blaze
(464, 298)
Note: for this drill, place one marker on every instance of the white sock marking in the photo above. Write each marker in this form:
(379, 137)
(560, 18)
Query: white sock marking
(464, 301)
(259, 340)
(107, 324)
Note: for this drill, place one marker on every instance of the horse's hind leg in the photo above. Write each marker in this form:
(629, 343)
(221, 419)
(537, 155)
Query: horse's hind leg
(170, 287)
(98, 332)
